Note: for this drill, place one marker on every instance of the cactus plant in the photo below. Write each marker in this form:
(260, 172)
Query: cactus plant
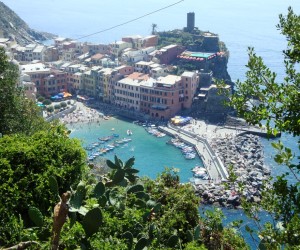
(151, 203)
(141, 244)
(157, 207)
(172, 241)
(135, 188)
(141, 195)
(102, 201)
(99, 190)
(197, 232)
(36, 216)
(140, 203)
(129, 163)
(128, 235)
(151, 231)
(189, 236)
(112, 165)
(92, 221)
(118, 176)
(53, 185)
(131, 171)
(78, 196)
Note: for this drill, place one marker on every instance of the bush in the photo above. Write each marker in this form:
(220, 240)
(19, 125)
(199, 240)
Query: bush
(47, 102)
(26, 163)
(57, 106)
(50, 109)
(63, 104)
(41, 99)
(69, 102)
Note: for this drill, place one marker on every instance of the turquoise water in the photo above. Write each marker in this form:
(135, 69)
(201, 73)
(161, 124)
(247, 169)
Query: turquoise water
(152, 154)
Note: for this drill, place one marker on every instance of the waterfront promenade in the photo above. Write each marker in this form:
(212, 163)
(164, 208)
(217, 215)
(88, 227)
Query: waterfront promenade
(211, 162)
(200, 135)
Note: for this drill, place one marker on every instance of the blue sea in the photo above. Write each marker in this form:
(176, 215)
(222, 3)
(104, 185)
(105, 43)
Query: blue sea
(240, 24)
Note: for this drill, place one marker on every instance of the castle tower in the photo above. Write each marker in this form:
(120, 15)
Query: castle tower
(190, 21)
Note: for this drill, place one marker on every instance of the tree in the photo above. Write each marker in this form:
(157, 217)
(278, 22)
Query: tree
(278, 109)
(17, 114)
(26, 164)
(154, 27)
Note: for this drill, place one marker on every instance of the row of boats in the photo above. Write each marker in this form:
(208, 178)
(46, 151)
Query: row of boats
(200, 172)
(105, 145)
(188, 151)
(155, 132)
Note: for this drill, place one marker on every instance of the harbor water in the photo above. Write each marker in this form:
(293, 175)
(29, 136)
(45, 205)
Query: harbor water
(152, 154)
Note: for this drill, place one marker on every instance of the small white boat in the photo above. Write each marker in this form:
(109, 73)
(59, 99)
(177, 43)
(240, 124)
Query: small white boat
(129, 132)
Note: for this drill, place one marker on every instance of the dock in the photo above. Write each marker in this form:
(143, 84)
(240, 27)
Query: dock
(198, 133)
(212, 163)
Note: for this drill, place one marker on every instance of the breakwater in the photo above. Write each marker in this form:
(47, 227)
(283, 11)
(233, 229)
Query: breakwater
(242, 152)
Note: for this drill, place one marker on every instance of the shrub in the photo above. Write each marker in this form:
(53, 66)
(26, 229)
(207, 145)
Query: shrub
(47, 102)
(26, 163)
(50, 109)
(41, 99)
(63, 104)
(57, 106)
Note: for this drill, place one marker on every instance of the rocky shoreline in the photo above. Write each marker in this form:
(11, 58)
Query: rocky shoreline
(244, 154)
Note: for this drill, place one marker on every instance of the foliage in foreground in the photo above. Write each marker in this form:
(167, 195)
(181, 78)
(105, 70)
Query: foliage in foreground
(26, 163)
(121, 211)
(278, 109)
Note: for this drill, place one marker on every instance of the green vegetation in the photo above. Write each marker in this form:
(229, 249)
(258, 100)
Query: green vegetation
(47, 102)
(63, 104)
(26, 163)
(278, 109)
(17, 114)
(57, 106)
(50, 109)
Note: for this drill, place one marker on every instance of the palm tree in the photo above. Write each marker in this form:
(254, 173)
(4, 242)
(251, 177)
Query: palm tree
(154, 26)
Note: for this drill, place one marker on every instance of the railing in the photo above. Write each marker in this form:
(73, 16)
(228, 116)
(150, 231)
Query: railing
(60, 114)
(220, 166)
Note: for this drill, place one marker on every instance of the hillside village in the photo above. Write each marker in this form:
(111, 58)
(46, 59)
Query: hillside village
(134, 73)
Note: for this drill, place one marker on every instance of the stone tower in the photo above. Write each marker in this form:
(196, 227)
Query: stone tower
(190, 21)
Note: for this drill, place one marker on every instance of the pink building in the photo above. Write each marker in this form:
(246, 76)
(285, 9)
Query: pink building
(190, 82)
(160, 98)
(47, 81)
(164, 99)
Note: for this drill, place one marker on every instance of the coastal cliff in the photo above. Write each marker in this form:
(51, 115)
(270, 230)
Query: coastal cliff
(12, 26)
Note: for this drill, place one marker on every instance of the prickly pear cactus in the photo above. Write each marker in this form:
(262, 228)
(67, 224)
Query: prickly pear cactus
(92, 221)
(36, 216)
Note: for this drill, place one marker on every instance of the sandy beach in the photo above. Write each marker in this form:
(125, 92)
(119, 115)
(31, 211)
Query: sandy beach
(83, 114)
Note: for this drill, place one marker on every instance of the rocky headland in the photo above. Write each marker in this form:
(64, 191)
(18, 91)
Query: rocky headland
(13, 27)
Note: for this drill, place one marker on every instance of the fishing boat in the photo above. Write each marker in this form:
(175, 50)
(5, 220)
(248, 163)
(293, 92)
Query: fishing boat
(106, 138)
(126, 139)
(190, 156)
